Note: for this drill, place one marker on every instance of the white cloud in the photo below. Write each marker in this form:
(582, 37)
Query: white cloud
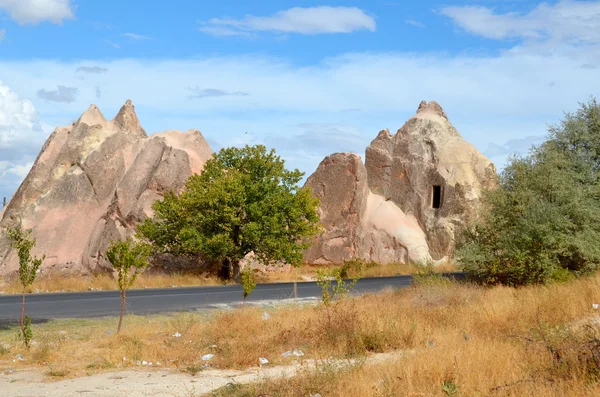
(34, 11)
(2, 35)
(415, 23)
(114, 45)
(19, 170)
(224, 31)
(312, 20)
(136, 36)
(198, 93)
(91, 69)
(21, 137)
(304, 111)
(568, 21)
(18, 118)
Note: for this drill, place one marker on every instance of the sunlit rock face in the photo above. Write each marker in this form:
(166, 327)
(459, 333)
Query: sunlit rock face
(416, 190)
(92, 183)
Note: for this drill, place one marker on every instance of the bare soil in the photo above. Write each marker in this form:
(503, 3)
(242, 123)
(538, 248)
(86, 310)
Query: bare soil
(146, 383)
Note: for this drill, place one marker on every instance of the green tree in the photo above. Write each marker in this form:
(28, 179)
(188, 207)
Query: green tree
(129, 259)
(28, 268)
(244, 200)
(543, 222)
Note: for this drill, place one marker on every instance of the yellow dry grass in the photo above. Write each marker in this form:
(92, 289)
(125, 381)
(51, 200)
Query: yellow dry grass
(102, 282)
(486, 342)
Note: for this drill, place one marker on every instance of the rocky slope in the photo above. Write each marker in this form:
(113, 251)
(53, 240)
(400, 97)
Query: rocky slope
(409, 200)
(92, 182)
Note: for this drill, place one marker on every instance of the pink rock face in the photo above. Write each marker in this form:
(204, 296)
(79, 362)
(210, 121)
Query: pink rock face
(423, 185)
(340, 182)
(92, 183)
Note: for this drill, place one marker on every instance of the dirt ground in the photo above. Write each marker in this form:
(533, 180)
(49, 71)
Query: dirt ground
(146, 383)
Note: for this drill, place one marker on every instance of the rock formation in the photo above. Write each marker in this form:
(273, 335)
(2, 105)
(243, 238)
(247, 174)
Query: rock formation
(408, 201)
(92, 182)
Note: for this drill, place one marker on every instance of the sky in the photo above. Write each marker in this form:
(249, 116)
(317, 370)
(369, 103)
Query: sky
(307, 78)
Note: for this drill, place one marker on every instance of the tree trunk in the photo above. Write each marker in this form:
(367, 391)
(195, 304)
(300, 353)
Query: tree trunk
(236, 271)
(230, 269)
(23, 315)
(123, 300)
(226, 271)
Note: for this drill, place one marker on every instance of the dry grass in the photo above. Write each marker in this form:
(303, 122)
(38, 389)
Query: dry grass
(486, 342)
(467, 341)
(100, 282)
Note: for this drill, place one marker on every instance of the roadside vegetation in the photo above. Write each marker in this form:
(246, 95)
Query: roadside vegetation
(305, 272)
(129, 259)
(527, 322)
(543, 222)
(523, 341)
(28, 266)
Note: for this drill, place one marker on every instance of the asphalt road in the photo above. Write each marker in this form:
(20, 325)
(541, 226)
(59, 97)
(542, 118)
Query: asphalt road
(41, 307)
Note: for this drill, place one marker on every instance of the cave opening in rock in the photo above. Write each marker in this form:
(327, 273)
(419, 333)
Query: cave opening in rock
(436, 197)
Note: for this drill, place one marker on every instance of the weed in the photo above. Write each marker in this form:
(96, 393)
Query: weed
(194, 369)
(427, 274)
(331, 292)
(26, 333)
(449, 387)
(101, 364)
(248, 282)
(230, 389)
(57, 373)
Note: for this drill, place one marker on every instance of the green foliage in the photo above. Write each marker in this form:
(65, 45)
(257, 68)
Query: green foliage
(28, 268)
(194, 369)
(426, 274)
(244, 200)
(542, 224)
(449, 387)
(355, 267)
(26, 333)
(231, 389)
(23, 243)
(333, 291)
(248, 282)
(129, 259)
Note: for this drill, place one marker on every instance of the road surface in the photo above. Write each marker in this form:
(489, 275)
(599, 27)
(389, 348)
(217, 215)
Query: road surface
(48, 306)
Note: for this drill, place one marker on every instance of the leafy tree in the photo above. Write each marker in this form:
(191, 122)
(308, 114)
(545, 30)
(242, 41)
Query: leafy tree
(129, 259)
(28, 268)
(543, 222)
(244, 200)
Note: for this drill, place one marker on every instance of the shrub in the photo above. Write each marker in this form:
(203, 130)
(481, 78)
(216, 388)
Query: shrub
(248, 283)
(542, 224)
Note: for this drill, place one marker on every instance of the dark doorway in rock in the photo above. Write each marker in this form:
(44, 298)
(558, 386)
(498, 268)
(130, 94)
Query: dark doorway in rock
(436, 197)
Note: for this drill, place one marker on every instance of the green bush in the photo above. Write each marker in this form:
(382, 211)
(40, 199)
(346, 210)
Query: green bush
(248, 282)
(542, 223)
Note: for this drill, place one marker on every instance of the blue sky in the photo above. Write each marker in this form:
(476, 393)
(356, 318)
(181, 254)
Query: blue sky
(308, 78)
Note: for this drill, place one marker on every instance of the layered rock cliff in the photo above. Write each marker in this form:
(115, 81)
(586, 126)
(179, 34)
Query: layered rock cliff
(416, 190)
(92, 182)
